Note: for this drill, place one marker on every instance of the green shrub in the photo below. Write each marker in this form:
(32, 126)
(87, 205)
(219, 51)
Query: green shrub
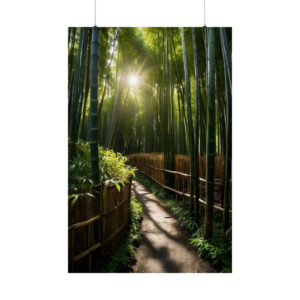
(112, 169)
(217, 250)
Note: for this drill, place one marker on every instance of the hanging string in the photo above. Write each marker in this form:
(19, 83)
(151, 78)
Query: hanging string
(95, 13)
(204, 15)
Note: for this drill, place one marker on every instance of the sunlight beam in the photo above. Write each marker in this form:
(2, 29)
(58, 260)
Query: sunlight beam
(133, 80)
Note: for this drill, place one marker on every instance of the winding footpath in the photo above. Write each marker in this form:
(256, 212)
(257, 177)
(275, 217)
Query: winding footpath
(165, 247)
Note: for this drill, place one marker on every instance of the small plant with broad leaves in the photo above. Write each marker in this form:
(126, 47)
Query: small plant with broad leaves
(217, 250)
(112, 168)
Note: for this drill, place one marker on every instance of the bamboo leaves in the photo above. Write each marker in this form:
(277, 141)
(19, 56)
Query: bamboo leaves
(180, 106)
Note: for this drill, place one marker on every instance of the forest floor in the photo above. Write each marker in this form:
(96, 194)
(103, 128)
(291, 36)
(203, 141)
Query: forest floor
(165, 247)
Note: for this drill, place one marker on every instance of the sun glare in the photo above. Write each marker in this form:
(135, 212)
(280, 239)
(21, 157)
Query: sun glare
(133, 80)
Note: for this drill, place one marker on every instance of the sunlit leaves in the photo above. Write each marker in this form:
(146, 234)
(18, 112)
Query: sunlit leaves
(112, 167)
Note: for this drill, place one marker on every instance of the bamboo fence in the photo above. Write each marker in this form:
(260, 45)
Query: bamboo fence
(96, 223)
(152, 165)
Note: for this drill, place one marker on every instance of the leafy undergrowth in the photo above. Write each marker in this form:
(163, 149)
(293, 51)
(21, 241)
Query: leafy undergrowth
(123, 257)
(112, 170)
(218, 249)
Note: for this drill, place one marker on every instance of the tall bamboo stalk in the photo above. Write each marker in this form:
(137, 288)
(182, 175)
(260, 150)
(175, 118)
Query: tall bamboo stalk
(227, 177)
(226, 56)
(158, 95)
(172, 116)
(81, 81)
(181, 92)
(190, 120)
(71, 53)
(107, 71)
(169, 157)
(87, 85)
(75, 97)
(197, 110)
(211, 136)
(94, 105)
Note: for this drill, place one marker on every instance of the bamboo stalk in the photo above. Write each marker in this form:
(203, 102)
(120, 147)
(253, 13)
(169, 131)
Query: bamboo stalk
(211, 136)
(84, 223)
(114, 234)
(72, 249)
(75, 100)
(227, 173)
(89, 245)
(93, 105)
(197, 127)
(190, 121)
(86, 252)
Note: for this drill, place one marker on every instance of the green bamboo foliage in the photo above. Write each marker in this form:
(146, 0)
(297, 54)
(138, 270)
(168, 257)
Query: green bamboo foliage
(190, 120)
(94, 105)
(211, 136)
(172, 110)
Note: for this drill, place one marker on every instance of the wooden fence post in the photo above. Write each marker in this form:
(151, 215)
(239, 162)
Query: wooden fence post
(72, 248)
(89, 246)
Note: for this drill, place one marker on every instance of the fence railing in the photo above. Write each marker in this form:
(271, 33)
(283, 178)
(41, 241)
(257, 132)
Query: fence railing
(95, 222)
(182, 182)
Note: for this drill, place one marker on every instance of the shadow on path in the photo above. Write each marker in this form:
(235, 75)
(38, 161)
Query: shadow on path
(165, 247)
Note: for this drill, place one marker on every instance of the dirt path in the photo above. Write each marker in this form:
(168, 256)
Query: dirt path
(165, 247)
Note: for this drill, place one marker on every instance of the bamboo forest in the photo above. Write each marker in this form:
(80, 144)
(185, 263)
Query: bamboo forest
(150, 148)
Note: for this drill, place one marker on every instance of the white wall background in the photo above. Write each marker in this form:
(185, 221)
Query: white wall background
(33, 159)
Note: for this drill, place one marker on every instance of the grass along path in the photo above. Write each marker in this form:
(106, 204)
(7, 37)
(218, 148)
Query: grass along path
(218, 249)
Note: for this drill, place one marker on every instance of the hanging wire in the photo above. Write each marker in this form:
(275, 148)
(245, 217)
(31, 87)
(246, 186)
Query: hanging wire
(204, 15)
(95, 12)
